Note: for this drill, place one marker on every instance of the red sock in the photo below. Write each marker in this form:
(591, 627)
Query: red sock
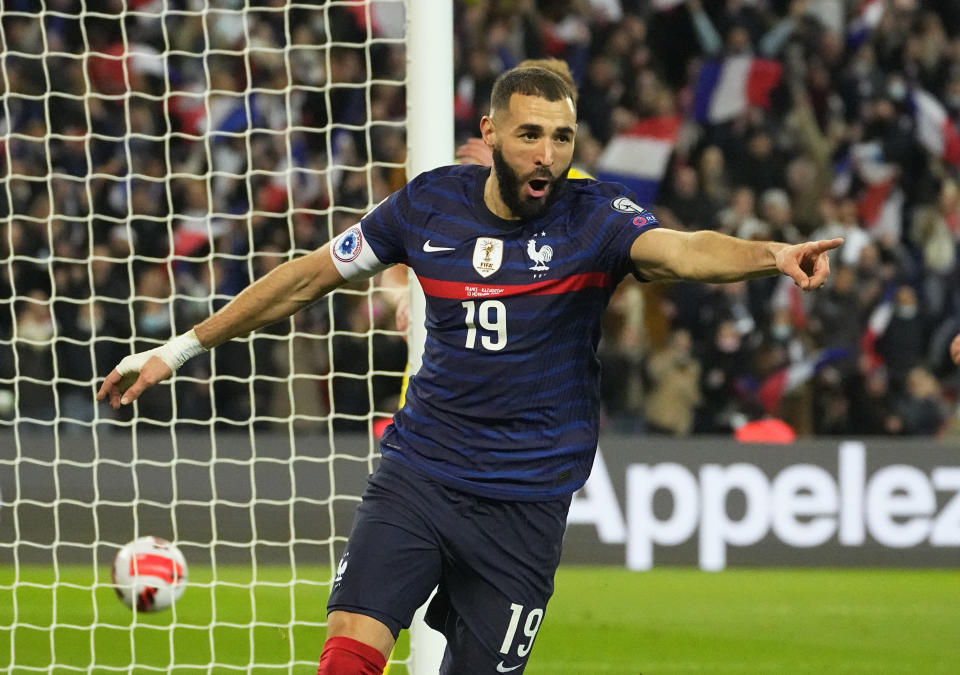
(346, 656)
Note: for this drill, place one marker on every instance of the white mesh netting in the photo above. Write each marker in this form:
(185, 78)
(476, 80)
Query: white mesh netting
(157, 156)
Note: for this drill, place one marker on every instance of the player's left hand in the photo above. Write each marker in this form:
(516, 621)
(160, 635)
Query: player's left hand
(402, 313)
(475, 151)
(132, 376)
(955, 349)
(807, 263)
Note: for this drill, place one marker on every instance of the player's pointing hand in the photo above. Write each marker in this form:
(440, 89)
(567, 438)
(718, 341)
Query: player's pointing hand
(807, 263)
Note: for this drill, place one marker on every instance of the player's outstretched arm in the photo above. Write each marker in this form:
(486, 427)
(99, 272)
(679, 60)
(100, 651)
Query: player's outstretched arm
(284, 291)
(663, 254)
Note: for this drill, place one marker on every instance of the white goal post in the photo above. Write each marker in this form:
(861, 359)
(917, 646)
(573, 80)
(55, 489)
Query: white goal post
(430, 144)
(157, 156)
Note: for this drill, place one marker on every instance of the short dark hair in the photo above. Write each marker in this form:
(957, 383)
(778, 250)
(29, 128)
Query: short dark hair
(557, 66)
(529, 82)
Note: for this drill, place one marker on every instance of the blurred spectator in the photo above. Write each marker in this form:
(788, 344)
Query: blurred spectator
(837, 313)
(934, 231)
(759, 163)
(903, 343)
(714, 180)
(738, 217)
(725, 364)
(34, 341)
(139, 177)
(873, 411)
(600, 92)
(921, 406)
(625, 341)
(831, 407)
(775, 210)
(694, 209)
(674, 391)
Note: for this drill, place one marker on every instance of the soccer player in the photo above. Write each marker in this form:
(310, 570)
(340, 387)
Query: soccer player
(500, 424)
(474, 151)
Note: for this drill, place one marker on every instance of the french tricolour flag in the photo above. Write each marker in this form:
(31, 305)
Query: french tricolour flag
(935, 130)
(787, 379)
(228, 114)
(868, 16)
(880, 202)
(876, 326)
(727, 88)
(787, 295)
(231, 115)
(639, 157)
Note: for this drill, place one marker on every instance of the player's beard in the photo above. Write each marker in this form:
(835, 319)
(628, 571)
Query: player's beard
(512, 188)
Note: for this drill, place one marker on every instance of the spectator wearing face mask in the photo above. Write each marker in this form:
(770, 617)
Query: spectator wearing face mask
(726, 360)
(903, 344)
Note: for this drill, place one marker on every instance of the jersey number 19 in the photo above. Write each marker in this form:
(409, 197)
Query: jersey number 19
(492, 316)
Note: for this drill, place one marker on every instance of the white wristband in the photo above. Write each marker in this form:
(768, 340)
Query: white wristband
(174, 353)
(181, 348)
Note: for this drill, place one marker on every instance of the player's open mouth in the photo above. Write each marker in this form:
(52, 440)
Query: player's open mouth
(538, 187)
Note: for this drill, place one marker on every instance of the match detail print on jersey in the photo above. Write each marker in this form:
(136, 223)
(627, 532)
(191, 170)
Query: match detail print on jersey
(353, 257)
(459, 290)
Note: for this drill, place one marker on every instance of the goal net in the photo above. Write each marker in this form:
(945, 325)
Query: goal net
(158, 156)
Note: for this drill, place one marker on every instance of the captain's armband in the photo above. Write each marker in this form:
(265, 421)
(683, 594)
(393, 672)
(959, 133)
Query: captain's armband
(353, 256)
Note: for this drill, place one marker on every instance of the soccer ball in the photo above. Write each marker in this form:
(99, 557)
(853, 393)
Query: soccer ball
(150, 574)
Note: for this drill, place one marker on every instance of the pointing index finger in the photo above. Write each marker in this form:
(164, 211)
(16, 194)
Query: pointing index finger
(824, 245)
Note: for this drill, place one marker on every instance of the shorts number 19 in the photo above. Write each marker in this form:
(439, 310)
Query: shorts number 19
(530, 629)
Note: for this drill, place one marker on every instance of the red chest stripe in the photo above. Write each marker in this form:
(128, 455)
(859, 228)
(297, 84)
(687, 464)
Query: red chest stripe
(459, 290)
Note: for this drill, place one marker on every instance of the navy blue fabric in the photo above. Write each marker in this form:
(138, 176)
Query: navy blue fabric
(518, 420)
(490, 558)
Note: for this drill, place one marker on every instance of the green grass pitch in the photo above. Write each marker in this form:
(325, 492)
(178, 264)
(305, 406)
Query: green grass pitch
(602, 620)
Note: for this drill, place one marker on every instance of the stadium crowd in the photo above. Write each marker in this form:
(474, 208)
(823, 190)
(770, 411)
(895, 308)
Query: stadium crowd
(138, 181)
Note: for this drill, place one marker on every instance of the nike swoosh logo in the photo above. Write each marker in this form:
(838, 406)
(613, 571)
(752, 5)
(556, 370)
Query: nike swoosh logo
(430, 248)
(503, 669)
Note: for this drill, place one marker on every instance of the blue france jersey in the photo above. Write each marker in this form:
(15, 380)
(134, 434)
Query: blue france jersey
(506, 403)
